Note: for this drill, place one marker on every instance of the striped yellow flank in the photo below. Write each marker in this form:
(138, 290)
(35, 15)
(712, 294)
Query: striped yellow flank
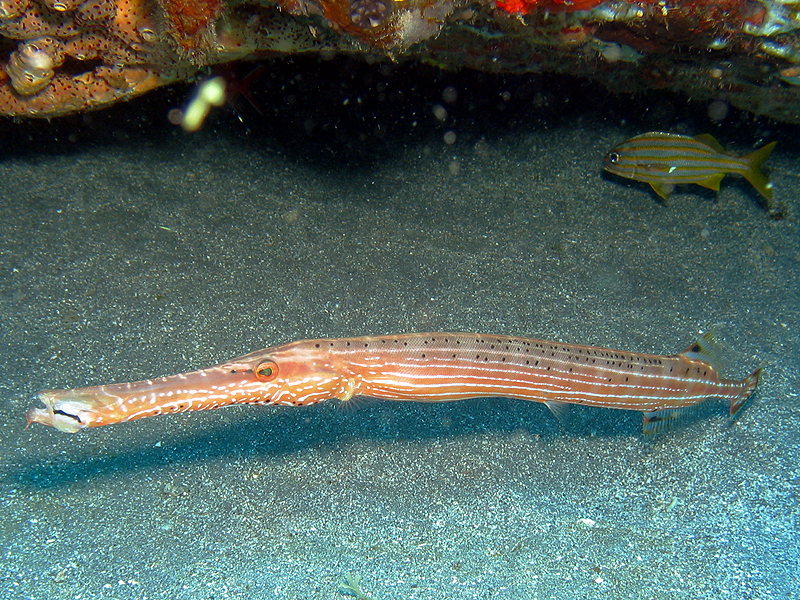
(665, 159)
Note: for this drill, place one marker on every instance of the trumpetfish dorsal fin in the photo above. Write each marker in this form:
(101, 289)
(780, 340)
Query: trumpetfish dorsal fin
(706, 348)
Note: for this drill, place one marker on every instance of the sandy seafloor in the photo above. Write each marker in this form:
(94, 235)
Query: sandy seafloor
(130, 250)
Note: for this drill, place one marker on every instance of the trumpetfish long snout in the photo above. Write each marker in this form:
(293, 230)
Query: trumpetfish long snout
(421, 367)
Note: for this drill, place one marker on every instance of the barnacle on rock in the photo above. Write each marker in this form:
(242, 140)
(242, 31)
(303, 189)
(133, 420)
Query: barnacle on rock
(61, 5)
(369, 14)
(30, 66)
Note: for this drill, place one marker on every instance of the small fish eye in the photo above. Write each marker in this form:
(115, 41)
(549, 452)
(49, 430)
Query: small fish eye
(267, 370)
(613, 157)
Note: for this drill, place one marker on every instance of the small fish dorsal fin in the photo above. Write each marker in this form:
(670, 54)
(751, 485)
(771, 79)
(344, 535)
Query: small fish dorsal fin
(708, 140)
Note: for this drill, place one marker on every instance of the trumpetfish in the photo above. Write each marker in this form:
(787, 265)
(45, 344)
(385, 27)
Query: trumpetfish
(421, 367)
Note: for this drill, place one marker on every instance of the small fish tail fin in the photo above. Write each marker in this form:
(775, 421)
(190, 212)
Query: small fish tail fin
(753, 172)
(748, 387)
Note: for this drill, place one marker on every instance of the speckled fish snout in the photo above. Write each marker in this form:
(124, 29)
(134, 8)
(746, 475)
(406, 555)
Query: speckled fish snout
(247, 379)
(293, 375)
(64, 410)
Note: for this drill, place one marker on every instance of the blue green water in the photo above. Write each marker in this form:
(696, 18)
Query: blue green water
(130, 250)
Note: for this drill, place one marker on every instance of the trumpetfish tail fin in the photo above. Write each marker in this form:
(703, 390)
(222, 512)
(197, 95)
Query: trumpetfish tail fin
(748, 387)
(705, 349)
(658, 421)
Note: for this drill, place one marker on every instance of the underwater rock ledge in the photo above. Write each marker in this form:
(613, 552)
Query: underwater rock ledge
(64, 56)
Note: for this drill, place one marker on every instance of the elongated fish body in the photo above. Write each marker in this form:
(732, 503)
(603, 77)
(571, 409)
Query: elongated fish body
(421, 367)
(666, 159)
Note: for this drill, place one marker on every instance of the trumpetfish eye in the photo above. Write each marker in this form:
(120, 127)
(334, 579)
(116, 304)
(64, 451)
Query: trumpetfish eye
(267, 371)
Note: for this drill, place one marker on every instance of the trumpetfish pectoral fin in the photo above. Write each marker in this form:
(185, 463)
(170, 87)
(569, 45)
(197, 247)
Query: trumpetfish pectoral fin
(349, 389)
(559, 409)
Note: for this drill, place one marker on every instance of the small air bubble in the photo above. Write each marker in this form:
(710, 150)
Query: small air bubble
(450, 94)
(440, 112)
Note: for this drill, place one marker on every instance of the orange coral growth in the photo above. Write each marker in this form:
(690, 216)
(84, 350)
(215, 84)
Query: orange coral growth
(523, 7)
(191, 23)
(371, 21)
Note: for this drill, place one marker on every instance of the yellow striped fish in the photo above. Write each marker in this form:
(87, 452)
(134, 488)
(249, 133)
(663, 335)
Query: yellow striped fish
(666, 159)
